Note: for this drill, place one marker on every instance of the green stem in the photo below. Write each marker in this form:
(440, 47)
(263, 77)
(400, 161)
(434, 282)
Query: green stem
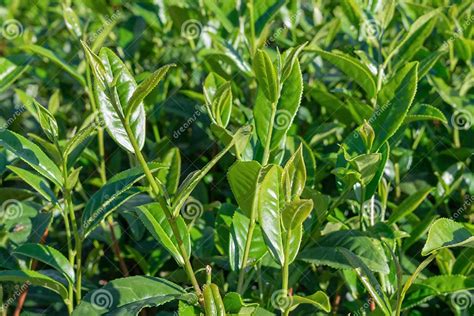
(245, 258)
(285, 270)
(71, 259)
(156, 191)
(67, 225)
(456, 140)
(156, 132)
(100, 140)
(78, 241)
(361, 211)
(100, 130)
(398, 191)
(252, 27)
(410, 281)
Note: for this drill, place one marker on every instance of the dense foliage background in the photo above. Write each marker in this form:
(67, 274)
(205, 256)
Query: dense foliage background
(383, 128)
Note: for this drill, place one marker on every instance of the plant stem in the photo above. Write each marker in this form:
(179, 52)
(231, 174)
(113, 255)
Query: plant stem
(410, 281)
(100, 130)
(285, 270)
(78, 241)
(252, 27)
(172, 220)
(361, 211)
(245, 258)
(456, 140)
(103, 173)
(116, 247)
(398, 191)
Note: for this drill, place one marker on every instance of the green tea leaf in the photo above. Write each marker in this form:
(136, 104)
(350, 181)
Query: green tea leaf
(446, 233)
(368, 279)
(431, 287)
(46, 53)
(318, 299)
(113, 194)
(145, 88)
(269, 213)
(32, 155)
(274, 120)
(353, 68)
(424, 112)
(368, 249)
(266, 75)
(243, 179)
(294, 175)
(10, 73)
(295, 213)
(34, 278)
(49, 256)
(409, 205)
(128, 296)
(238, 237)
(221, 106)
(114, 101)
(394, 101)
(36, 182)
(72, 21)
(155, 220)
(414, 39)
(41, 114)
(192, 180)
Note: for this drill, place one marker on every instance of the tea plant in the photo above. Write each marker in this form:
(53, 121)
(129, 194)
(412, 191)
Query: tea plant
(236, 158)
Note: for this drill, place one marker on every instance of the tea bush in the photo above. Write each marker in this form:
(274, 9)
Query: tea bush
(236, 157)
